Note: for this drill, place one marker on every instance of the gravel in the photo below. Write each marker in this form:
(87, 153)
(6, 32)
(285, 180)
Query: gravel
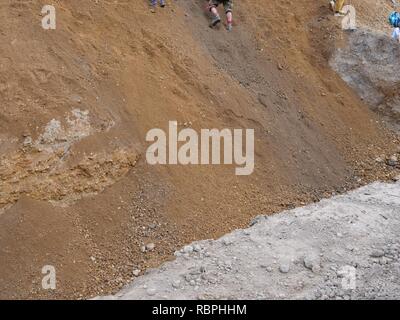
(296, 254)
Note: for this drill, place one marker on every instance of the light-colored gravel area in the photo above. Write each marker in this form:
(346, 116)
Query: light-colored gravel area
(346, 247)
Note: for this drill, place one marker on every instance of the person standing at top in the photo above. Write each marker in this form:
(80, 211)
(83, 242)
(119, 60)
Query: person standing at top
(337, 6)
(394, 20)
(153, 4)
(216, 19)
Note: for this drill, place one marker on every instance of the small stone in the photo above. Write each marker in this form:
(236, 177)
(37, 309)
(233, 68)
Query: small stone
(150, 246)
(151, 292)
(284, 267)
(27, 142)
(196, 248)
(377, 253)
(312, 262)
(188, 249)
(392, 161)
(396, 178)
(176, 284)
(136, 272)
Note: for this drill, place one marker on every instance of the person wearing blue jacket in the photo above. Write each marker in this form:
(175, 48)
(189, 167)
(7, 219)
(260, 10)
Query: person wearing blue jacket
(394, 20)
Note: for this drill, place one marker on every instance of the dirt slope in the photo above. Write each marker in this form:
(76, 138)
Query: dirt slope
(76, 104)
(345, 247)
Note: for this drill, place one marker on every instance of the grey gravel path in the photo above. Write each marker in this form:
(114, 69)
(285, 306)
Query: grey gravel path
(347, 247)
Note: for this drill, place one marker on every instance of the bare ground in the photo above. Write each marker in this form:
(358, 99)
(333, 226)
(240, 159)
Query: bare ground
(342, 248)
(76, 192)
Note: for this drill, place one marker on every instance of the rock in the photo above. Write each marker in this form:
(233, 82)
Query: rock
(396, 178)
(284, 267)
(196, 248)
(176, 284)
(151, 292)
(27, 142)
(188, 249)
(377, 253)
(312, 262)
(136, 272)
(150, 246)
(392, 161)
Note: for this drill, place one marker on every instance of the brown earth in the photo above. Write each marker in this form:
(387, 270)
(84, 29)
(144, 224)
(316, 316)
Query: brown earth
(76, 104)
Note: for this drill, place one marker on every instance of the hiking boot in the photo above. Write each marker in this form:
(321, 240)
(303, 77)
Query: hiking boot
(162, 4)
(229, 27)
(215, 21)
(339, 14)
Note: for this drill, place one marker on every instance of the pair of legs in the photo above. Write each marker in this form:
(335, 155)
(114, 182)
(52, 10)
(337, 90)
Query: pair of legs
(337, 5)
(396, 34)
(228, 6)
(154, 3)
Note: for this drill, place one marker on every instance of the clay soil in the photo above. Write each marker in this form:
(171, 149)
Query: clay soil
(76, 104)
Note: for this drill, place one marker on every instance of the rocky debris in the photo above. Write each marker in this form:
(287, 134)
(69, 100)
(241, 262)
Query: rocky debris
(370, 65)
(136, 272)
(28, 142)
(188, 249)
(377, 253)
(151, 291)
(176, 284)
(284, 267)
(272, 259)
(393, 161)
(312, 262)
(148, 247)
